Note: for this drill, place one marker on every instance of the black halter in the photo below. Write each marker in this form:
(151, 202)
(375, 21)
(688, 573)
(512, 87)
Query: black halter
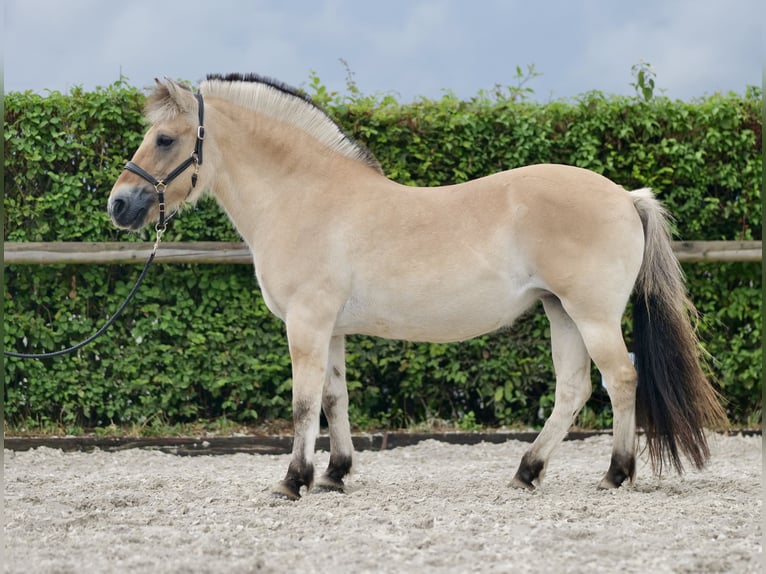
(159, 186)
(195, 158)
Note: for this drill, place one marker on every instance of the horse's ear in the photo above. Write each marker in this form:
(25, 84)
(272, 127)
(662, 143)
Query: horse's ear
(169, 100)
(181, 95)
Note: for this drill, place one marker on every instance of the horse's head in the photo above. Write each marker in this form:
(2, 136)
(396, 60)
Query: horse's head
(163, 172)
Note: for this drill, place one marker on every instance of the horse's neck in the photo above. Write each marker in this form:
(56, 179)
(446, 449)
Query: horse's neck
(269, 173)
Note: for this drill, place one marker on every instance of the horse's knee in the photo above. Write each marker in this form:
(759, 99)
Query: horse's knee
(335, 402)
(305, 415)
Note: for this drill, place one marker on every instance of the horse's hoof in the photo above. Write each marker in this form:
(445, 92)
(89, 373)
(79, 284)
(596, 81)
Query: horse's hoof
(530, 471)
(612, 480)
(518, 482)
(328, 484)
(607, 484)
(620, 469)
(286, 491)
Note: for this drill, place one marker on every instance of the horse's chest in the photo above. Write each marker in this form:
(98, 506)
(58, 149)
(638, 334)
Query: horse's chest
(271, 296)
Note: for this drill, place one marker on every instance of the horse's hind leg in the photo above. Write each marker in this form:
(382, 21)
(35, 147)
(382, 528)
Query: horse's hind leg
(335, 406)
(573, 387)
(607, 348)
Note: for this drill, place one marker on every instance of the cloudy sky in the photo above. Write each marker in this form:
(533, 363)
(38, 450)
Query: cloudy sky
(408, 48)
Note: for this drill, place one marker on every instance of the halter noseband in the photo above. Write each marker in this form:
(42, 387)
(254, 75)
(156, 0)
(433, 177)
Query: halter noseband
(195, 158)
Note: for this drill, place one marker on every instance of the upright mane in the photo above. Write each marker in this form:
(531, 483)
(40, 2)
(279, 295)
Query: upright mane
(287, 104)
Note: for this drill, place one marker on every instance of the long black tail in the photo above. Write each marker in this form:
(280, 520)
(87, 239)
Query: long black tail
(675, 400)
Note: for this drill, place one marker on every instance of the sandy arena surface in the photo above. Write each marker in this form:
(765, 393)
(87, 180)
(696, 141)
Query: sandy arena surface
(432, 507)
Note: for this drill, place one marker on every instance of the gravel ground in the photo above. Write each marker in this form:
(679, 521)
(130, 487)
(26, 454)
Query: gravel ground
(432, 507)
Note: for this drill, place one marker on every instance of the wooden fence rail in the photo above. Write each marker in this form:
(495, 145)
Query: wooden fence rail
(29, 253)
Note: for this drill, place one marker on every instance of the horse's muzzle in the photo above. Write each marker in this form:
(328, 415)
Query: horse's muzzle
(130, 207)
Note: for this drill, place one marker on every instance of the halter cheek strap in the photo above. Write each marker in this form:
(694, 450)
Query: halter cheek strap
(195, 158)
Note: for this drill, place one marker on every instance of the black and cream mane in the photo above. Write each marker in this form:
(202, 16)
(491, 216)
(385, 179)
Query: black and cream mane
(287, 104)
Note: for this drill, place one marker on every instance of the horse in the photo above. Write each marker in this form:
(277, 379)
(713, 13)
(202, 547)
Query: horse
(340, 249)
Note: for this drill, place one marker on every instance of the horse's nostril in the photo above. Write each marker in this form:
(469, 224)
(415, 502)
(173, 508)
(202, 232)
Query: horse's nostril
(116, 207)
(129, 208)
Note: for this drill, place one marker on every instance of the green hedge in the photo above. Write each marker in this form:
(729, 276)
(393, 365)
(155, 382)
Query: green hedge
(198, 343)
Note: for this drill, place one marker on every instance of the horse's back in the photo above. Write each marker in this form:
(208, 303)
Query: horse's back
(559, 220)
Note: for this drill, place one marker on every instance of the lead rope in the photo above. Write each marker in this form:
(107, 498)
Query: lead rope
(160, 229)
(159, 186)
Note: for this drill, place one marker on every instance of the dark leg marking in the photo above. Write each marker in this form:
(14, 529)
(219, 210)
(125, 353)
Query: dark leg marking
(301, 411)
(621, 467)
(339, 467)
(300, 472)
(298, 475)
(529, 471)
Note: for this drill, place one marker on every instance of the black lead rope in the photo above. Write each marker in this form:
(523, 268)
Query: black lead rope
(159, 186)
(103, 329)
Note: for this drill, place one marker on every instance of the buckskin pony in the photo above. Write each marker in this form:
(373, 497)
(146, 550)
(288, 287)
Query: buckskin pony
(340, 249)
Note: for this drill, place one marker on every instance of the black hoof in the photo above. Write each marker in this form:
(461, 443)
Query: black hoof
(298, 475)
(519, 482)
(326, 483)
(530, 472)
(332, 479)
(621, 467)
(287, 491)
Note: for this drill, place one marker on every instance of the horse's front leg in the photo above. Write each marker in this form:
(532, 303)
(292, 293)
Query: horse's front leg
(309, 340)
(335, 406)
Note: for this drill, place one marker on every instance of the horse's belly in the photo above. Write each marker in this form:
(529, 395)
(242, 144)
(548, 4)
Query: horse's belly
(436, 313)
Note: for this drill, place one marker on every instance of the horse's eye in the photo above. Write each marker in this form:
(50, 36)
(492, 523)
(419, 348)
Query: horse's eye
(164, 140)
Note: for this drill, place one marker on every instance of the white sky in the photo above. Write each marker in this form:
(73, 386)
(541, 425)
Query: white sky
(408, 48)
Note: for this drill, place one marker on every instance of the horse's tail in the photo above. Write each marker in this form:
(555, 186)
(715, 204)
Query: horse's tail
(675, 399)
